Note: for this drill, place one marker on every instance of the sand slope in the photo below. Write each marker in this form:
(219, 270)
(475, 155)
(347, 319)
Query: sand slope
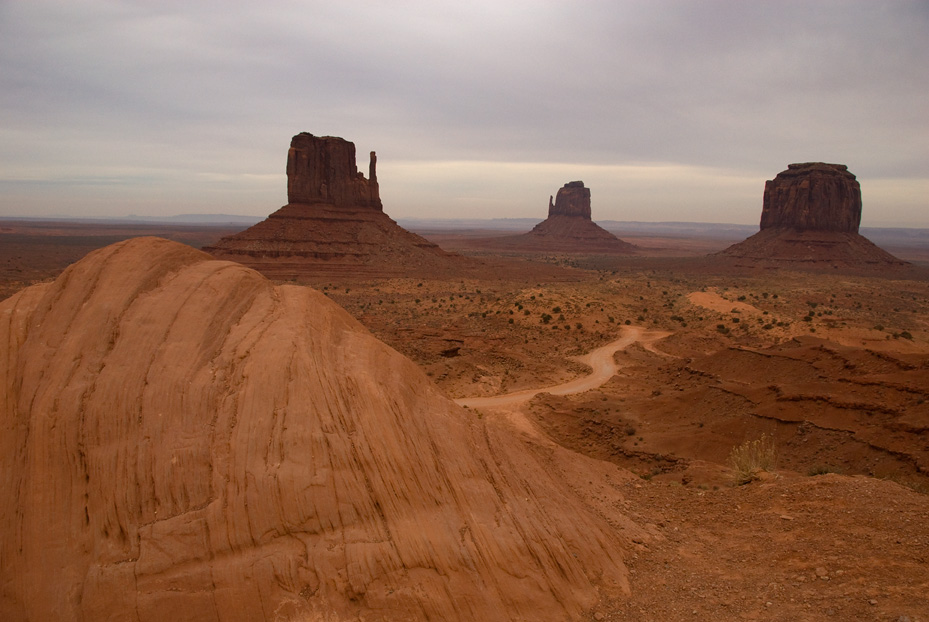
(179, 439)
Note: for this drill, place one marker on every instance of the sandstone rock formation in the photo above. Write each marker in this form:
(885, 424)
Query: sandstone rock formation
(810, 216)
(323, 170)
(573, 199)
(812, 197)
(180, 439)
(568, 229)
(333, 224)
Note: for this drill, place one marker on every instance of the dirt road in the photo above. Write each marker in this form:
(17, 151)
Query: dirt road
(601, 362)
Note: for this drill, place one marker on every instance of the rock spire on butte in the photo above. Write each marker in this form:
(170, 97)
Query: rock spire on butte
(568, 228)
(333, 223)
(810, 216)
(322, 170)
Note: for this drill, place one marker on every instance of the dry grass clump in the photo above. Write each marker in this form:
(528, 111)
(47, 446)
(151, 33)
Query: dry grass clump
(752, 457)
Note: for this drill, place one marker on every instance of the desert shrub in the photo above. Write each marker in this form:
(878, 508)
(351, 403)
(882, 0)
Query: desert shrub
(750, 457)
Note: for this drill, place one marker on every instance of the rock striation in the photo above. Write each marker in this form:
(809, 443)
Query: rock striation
(810, 217)
(323, 170)
(333, 224)
(568, 229)
(181, 439)
(572, 199)
(813, 196)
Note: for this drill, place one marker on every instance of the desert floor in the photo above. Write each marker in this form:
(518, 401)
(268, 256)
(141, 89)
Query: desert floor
(832, 367)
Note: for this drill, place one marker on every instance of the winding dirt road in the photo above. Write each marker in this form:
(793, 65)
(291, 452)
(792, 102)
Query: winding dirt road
(601, 362)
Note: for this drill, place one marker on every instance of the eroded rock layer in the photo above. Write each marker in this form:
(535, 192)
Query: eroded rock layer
(568, 229)
(333, 224)
(313, 240)
(572, 199)
(323, 170)
(179, 439)
(810, 218)
(813, 196)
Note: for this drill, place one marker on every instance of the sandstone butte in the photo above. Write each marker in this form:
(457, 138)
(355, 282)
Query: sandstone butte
(181, 439)
(568, 229)
(333, 223)
(810, 215)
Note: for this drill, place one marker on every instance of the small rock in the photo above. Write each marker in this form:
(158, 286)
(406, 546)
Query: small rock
(822, 572)
(599, 616)
(872, 602)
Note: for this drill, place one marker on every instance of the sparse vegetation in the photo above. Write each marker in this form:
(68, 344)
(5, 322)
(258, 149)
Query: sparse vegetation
(752, 457)
(822, 469)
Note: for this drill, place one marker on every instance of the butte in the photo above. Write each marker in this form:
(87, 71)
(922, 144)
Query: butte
(181, 439)
(333, 224)
(810, 218)
(568, 229)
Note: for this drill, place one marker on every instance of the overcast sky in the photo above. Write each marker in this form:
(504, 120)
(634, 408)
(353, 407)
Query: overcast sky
(667, 110)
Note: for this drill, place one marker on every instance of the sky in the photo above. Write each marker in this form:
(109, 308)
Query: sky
(669, 110)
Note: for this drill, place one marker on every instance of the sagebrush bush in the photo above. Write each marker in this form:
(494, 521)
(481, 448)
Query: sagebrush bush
(750, 457)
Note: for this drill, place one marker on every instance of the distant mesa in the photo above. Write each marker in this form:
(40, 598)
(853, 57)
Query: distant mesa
(333, 223)
(182, 439)
(810, 215)
(568, 229)
(812, 197)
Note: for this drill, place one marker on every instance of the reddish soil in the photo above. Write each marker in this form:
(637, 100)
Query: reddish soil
(833, 363)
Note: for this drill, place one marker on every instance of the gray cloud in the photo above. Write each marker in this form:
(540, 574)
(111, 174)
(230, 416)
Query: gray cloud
(171, 97)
